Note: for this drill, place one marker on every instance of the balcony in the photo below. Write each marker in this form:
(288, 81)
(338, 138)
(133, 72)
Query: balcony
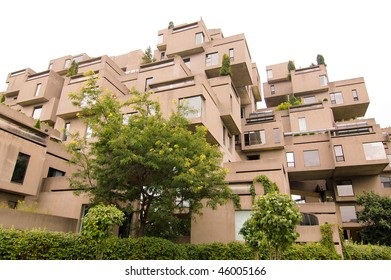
(261, 117)
(311, 79)
(15, 80)
(40, 88)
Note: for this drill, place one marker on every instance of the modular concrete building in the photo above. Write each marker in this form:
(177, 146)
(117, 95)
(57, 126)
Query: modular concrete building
(323, 152)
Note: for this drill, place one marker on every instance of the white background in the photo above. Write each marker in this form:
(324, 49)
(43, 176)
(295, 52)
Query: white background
(353, 36)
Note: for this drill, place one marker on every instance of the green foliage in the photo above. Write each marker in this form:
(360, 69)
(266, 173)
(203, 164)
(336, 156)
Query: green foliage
(253, 193)
(38, 124)
(310, 251)
(236, 201)
(327, 241)
(291, 101)
(154, 160)
(44, 245)
(148, 56)
(272, 224)
(225, 69)
(73, 69)
(268, 185)
(375, 217)
(2, 98)
(367, 252)
(170, 25)
(100, 220)
(291, 65)
(320, 59)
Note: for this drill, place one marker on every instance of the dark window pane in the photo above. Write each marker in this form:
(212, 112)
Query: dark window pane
(20, 168)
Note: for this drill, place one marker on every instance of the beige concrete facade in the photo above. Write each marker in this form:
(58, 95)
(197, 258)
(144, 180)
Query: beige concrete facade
(323, 152)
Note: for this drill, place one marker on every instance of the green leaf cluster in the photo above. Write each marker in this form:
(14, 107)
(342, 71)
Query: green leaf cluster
(150, 165)
(225, 68)
(148, 56)
(375, 217)
(272, 225)
(73, 69)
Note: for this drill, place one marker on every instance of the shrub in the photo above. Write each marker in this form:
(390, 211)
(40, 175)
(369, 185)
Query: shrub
(367, 252)
(310, 251)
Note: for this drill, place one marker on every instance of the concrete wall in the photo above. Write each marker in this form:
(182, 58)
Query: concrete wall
(26, 220)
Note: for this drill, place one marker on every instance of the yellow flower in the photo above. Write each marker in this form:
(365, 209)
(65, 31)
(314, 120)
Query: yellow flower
(202, 157)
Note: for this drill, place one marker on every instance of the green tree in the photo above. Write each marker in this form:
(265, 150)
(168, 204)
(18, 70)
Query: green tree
(73, 69)
(272, 225)
(320, 59)
(153, 167)
(375, 217)
(225, 69)
(148, 56)
(99, 222)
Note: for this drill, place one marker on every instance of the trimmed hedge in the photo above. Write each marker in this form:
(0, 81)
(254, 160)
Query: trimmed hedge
(44, 245)
(366, 252)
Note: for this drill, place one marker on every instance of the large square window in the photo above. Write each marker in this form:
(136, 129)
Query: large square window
(374, 151)
(385, 181)
(311, 158)
(212, 59)
(256, 137)
(345, 188)
(348, 214)
(195, 105)
(336, 98)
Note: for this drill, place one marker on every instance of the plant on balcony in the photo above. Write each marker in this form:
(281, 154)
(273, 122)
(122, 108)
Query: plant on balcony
(38, 124)
(148, 56)
(73, 69)
(170, 25)
(2, 98)
(225, 69)
(320, 60)
(291, 66)
(291, 101)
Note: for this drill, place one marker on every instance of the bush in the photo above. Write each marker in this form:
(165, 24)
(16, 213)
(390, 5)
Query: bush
(310, 251)
(367, 252)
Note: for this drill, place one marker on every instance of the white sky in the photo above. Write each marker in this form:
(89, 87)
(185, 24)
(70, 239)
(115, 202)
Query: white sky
(353, 36)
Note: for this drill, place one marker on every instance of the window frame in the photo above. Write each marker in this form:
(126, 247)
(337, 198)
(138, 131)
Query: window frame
(339, 157)
(290, 162)
(20, 168)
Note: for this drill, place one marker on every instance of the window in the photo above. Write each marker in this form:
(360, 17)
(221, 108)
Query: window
(37, 112)
(37, 89)
(67, 63)
(160, 38)
(230, 145)
(88, 132)
(339, 156)
(50, 66)
(290, 159)
(78, 58)
(125, 118)
(254, 138)
(309, 99)
(55, 172)
(348, 214)
(66, 131)
(276, 135)
(336, 98)
(148, 81)
(311, 158)
(253, 157)
(195, 104)
(187, 62)
(272, 89)
(231, 54)
(242, 112)
(345, 188)
(162, 55)
(212, 59)
(355, 95)
(240, 218)
(269, 74)
(302, 124)
(20, 168)
(385, 181)
(323, 80)
(224, 132)
(374, 151)
(200, 38)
